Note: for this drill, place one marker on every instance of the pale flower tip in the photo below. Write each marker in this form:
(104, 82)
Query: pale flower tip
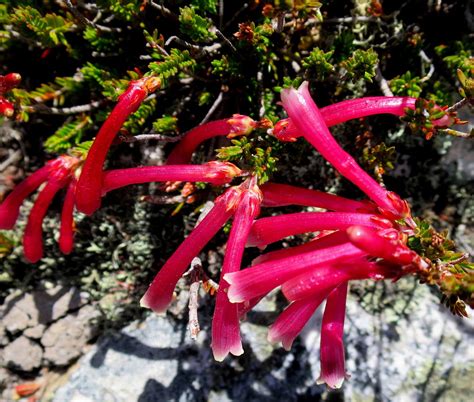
(221, 353)
(144, 302)
(333, 382)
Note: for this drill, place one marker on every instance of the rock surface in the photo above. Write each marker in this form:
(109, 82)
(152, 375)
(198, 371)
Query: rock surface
(22, 354)
(401, 346)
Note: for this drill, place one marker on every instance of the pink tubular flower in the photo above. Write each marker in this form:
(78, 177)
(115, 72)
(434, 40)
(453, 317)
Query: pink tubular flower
(285, 130)
(278, 195)
(217, 173)
(160, 293)
(10, 207)
(291, 321)
(324, 277)
(308, 120)
(268, 230)
(232, 127)
(328, 240)
(89, 186)
(332, 358)
(66, 232)
(262, 278)
(384, 244)
(225, 323)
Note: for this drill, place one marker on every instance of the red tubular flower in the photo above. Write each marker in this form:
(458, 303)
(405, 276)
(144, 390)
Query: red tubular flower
(10, 208)
(321, 278)
(384, 244)
(307, 118)
(160, 293)
(32, 238)
(235, 126)
(262, 278)
(328, 240)
(268, 230)
(8, 82)
(89, 186)
(225, 323)
(6, 107)
(279, 195)
(66, 232)
(291, 321)
(217, 173)
(286, 130)
(332, 358)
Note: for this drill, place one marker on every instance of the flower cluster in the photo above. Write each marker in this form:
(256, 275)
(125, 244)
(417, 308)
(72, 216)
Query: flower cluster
(355, 240)
(7, 83)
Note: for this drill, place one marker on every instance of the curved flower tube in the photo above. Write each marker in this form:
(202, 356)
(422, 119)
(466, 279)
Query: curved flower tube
(217, 173)
(291, 321)
(10, 207)
(66, 231)
(268, 230)
(328, 240)
(225, 323)
(32, 238)
(89, 186)
(262, 278)
(279, 195)
(232, 127)
(286, 130)
(309, 121)
(332, 357)
(160, 293)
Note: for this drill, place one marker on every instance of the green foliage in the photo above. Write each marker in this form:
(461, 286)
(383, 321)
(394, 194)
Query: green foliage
(126, 10)
(99, 40)
(172, 64)
(406, 85)
(68, 135)
(165, 124)
(420, 120)
(379, 158)
(136, 121)
(318, 62)
(49, 29)
(194, 26)
(245, 152)
(457, 56)
(205, 5)
(361, 64)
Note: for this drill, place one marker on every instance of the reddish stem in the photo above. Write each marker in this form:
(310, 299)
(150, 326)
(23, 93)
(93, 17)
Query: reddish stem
(66, 232)
(89, 191)
(10, 208)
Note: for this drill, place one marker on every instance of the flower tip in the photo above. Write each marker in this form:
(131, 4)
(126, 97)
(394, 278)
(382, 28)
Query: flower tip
(332, 381)
(284, 131)
(221, 353)
(145, 303)
(240, 125)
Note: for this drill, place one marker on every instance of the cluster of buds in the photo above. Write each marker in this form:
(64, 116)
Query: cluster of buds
(7, 83)
(355, 240)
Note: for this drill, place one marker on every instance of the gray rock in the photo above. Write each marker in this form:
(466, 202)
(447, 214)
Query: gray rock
(35, 332)
(22, 354)
(21, 311)
(401, 346)
(64, 340)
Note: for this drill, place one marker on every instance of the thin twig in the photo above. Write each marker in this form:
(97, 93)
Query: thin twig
(163, 10)
(213, 108)
(43, 109)
(149, 137)
(193, 305)
(383, 83)
(12, 158)
(457, 105)
(427, 60)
